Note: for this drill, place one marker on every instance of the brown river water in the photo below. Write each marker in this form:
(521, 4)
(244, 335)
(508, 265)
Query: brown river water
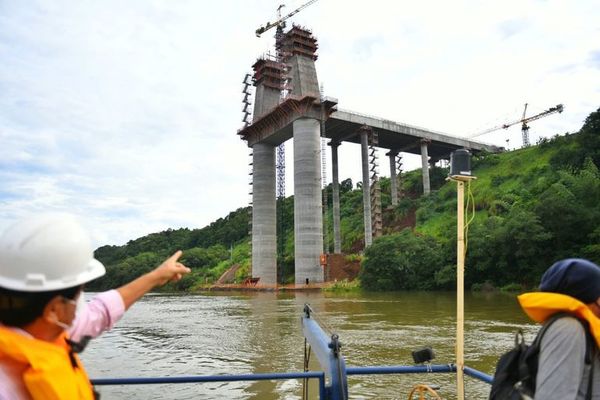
(243, 333)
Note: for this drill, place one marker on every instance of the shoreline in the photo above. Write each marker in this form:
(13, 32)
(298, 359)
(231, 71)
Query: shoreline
(311, 287)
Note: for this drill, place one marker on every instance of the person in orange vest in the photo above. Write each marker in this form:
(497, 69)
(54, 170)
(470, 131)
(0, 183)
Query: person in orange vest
(44, 263)
(569, 360)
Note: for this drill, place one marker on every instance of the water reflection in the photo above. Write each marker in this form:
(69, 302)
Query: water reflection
(221, 333)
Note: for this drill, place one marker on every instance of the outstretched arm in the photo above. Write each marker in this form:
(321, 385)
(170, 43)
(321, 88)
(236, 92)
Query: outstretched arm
(169, 271)
(105, 309)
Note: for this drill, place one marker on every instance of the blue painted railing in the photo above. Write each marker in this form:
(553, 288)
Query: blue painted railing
(333, 381)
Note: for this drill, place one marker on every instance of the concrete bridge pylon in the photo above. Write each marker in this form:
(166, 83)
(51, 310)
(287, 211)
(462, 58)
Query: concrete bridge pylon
(276, 119)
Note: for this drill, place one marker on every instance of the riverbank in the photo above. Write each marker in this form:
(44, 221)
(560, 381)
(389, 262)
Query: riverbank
(311, 287)
(331, 286)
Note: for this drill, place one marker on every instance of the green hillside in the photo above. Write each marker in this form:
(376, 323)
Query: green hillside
(528, 208)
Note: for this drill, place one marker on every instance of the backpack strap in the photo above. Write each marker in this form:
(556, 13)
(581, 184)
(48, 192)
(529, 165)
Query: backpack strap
(588, 395)
(592, 352)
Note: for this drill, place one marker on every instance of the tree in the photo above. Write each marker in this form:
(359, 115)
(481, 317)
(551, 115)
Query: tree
(589, 136)
(507, 249)
(562, 215)
(198, 257)
(401, 261)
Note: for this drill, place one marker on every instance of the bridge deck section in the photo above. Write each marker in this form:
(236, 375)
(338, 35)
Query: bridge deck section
(344, 125)
(275, 127)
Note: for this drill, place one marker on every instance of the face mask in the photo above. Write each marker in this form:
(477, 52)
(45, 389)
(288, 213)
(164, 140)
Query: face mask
(79, 305)
(55, 321)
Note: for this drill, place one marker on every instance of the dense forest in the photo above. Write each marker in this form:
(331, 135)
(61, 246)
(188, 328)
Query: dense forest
(527, 208)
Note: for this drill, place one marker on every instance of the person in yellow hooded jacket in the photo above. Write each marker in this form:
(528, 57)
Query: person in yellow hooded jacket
(569, 286)
(45, 261)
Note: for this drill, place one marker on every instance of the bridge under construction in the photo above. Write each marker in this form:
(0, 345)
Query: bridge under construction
(288, 104)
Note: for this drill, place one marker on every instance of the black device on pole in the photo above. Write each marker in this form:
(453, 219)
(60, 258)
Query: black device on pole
(460, 163)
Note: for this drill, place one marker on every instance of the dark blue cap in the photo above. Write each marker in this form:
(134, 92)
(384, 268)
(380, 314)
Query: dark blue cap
(574, 277)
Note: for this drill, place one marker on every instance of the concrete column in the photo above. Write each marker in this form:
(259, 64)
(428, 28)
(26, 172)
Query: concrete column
(337, 238)
(425, 167)
(308, 215)
(393, 177)
(264, 237)
(366, 187)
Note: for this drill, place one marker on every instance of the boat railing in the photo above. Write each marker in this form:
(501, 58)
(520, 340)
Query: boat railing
(332, 379)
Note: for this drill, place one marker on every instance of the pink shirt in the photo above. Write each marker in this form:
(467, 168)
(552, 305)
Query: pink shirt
(100, 314)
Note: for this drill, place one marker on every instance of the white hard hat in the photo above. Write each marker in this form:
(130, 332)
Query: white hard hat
(47, 252)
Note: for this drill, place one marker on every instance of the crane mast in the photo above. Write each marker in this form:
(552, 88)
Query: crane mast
(281, 20)
(524, 122)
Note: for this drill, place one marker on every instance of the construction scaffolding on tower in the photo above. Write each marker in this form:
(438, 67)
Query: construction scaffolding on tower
(376, 217)
(324, 173)
(247, 120)
(281, 56)
(300, 41)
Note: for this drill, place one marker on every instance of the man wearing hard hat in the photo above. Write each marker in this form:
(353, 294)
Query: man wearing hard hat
(44, 263)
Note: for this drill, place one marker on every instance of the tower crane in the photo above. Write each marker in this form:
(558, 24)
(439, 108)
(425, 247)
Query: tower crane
(281, 20)
(524, 121)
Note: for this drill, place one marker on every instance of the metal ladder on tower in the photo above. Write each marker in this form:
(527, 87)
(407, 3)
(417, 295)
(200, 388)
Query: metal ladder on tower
(247, 120)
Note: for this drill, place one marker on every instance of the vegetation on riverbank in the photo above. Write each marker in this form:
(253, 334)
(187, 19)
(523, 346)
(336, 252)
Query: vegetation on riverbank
(532, 206)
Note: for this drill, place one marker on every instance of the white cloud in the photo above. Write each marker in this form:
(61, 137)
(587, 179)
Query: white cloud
(126, 112)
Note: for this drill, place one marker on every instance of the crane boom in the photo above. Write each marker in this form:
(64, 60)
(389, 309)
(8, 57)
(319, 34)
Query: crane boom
(557, 109)
(270, 25)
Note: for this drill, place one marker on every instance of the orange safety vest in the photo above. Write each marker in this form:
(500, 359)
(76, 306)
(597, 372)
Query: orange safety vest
(49, 370)
(539, 306)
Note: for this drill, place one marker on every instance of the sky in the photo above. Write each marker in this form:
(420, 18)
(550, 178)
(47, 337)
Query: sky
(125, 113)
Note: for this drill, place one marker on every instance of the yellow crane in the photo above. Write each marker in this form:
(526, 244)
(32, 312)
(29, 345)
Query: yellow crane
(281, 20)
(524, 121)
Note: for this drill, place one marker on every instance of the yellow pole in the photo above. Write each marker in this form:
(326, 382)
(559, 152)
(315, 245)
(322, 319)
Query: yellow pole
(460, 290)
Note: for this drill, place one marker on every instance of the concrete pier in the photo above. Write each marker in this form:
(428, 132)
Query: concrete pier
(366, 187)
(337, 237)
(425, 167)
(308, 217)
(264, 250)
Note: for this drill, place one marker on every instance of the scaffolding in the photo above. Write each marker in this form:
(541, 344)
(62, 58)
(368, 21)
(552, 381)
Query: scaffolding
(398, 163)
(247, 92)
(324, 173)
(376, 218)
(269, 72)
(250, 204)
(300, 41)
(247, 120)
(285, 90)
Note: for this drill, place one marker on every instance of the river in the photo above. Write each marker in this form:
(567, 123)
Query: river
(240, 333)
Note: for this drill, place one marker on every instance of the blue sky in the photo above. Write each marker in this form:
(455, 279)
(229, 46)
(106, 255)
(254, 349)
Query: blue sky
(126, 113)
